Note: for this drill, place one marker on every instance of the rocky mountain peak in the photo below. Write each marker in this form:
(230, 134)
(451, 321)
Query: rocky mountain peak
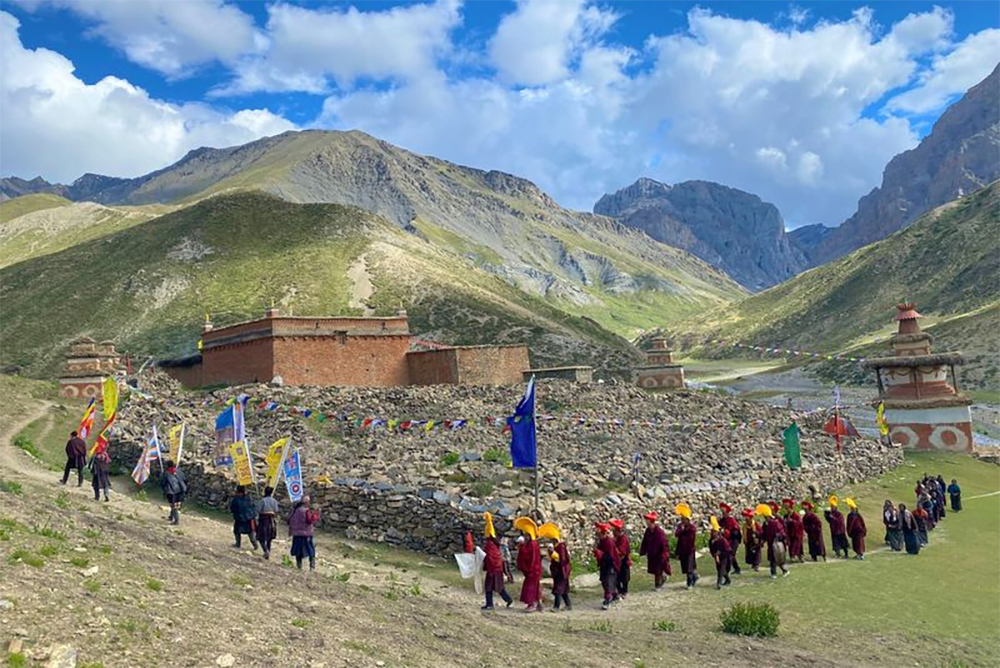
(730, 229)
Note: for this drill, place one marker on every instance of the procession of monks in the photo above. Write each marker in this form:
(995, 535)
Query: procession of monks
(780, 528)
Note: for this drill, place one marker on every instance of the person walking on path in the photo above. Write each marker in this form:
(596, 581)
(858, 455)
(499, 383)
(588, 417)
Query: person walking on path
(300, 527)
(813, 526)
(722, 552)
(909, 526)
(656, 548)
(76, 458)
(494, 567)
(774, 536)
(686, 535)
(100, 472)
(244, 517)
(752, 540)
(560, 568)
(174, 487)
(955, 492)
(625, 553)
(794, 530)
(856, 529)
(529, 562)
(609, 561)
(838, 529)
(893, 526)
(731, 531)
(267, 521)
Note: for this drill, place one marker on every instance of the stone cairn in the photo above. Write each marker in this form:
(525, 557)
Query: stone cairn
(406, 489)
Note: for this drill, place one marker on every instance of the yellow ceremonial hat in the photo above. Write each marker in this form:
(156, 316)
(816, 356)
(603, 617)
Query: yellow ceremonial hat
(527, 525)
(491, 532)
(763, 509)
(683, 509)
(833, 500)
(714, 521)
(550, 531)
(851, 504)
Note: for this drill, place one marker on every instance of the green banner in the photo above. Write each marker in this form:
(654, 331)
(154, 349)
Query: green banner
(793, 455)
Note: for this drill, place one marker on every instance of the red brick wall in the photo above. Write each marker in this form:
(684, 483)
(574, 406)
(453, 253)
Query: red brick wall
(471, 365)
(252, 361)
(433, 367)
(492, 365)
(188, 376)
(372, 361)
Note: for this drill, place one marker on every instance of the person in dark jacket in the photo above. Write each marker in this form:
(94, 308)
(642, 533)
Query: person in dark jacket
(722, 553)
(174, 487)
(76, 458)
(838, 529)
(609, 561)
(893, 526)
(100, 472)
(267, 521)
(955, 492)
(625, 553)
(686, 534)
(244, 517)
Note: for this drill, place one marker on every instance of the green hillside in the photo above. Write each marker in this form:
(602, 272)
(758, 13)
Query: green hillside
(148, 287)
(18, 206)
(948, 262)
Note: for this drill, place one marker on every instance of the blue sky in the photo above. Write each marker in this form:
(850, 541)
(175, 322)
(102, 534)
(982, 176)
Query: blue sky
(800, 103)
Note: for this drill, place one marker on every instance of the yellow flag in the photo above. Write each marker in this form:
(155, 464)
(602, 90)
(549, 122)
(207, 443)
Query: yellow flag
(241, 462)
(275, 453)
(883, 426)
(176, 438)
(110, 398)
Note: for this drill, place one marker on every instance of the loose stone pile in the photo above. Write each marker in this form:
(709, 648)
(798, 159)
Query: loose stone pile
(408, 489)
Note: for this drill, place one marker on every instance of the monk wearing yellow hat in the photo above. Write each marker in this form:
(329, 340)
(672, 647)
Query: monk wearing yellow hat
(493, 565)
(838, 530)
(856, 529)
(686, 534)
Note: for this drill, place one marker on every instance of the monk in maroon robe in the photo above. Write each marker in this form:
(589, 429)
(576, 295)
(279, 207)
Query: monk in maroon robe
(560, 570)
(857, 530)
(686, 533)
(656, 549)
(722, 552)
(625, 553)
(493, 565)
(606, 554)
(752, 540)
(731, 531)
(774, 536)
(529, 562)
(813, 526)
(838, 531)
(795, 532)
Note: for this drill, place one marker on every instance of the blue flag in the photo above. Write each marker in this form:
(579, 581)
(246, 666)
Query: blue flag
(523, 447)
(292, 470)
(225, 434)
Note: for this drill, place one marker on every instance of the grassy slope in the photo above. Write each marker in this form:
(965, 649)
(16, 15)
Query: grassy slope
(18, 206)
(947, 262)
(132, 288)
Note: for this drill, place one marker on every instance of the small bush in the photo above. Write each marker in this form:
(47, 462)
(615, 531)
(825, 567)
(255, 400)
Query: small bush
(664, 625)
(62, 500)
(154, 585)
(10, 487)
(80, 562)
(49, 532)
(481, 488)
(450, 459)
(240, 580)
(300, 623)
(48, 550)
(603, 626)
(105, 549)
(415, 588)
(342, 577)
(496, 455)
(16, 660)
(92, 534)
(751, 619)
(96, 664)
(27, 558)
(457, 477)
(286, 561)
(23, 442)
(91, 585)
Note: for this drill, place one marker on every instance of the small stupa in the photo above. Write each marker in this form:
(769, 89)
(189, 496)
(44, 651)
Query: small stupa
(88, 363)
(922, 408)
(659, 371)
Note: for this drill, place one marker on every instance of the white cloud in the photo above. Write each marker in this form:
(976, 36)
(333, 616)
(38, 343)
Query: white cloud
(308, 47)
(928, 31)
(951, 74)
(168, 36)
(536, 44)
(57, 126)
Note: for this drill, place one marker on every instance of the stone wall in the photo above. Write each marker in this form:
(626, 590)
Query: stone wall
(234, 363)
(345, 361)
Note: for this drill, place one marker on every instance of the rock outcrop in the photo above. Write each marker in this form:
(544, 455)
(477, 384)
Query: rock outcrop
(959, 156)
(730, 229)
(423, 489)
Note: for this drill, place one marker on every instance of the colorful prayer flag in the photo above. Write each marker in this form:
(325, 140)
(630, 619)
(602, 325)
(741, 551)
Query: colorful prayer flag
(292, 470)
(523, 446)
(275, 457)
(176, 438)
(87, 423)
(883, 425)
(109, 397)
(225, 434)
(150, 453)
(241, 462)
(793, 454)
(102, 438)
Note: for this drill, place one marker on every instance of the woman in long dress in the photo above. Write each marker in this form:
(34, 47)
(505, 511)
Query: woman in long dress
(909, 527)
(893, 528)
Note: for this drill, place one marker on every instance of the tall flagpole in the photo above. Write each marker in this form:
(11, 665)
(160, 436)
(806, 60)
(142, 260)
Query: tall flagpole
(534, 427)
